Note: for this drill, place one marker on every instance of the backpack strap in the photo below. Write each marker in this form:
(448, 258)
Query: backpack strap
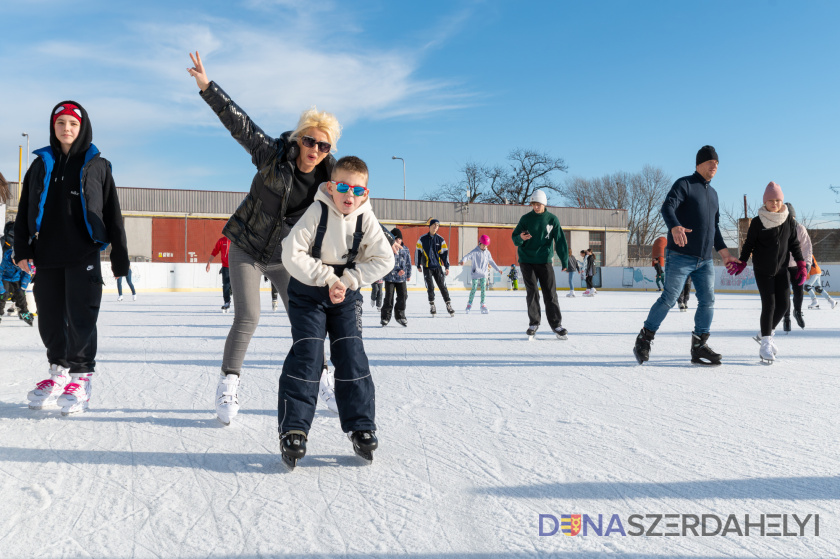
(321, 231)
(357, 241)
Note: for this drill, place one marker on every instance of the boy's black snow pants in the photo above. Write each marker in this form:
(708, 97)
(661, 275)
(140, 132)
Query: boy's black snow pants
(544, 274)
(15, 294)
(402, 295)
(435, 276)
(313, 316)
(68, 302)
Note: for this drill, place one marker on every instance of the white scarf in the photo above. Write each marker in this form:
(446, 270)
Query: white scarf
(772, 219)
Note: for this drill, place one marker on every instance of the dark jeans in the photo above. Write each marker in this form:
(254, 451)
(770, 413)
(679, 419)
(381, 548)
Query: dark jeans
(589, 282)
(401, 290)
(434, 276)
(798, 293)
(775, 300)
(544, 274)
(313, 316)
(685, 294)
(226, 284)
(15, 294)
(127, 279)
(376, 293)
(68, 302)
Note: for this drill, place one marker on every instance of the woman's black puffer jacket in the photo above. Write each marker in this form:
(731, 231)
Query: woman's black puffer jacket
(259, 223)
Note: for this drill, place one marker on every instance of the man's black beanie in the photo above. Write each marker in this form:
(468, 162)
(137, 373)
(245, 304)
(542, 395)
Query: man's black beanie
(706, 153)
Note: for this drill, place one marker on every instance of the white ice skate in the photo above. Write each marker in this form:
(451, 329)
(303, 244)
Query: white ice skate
(47, 391)
(469, 308)
(326, 393)
(484, 309)
(134, 297)
(227, 398)
(832, 302)
(815, 305)
(775, 350)
(765, 352)
(120, 298)
(570, 294)
(76, 396)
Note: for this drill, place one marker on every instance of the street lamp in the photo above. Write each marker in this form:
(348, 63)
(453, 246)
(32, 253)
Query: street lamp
(403, 160)
(27, 148)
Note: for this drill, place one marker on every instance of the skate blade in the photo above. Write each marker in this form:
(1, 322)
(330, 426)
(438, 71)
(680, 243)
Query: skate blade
(43, 406)
(72, 411)
(767, 361)
(290, 463)
(531, 338)
(366, 455)
(220, 420)
(702, 363)
(563, 337)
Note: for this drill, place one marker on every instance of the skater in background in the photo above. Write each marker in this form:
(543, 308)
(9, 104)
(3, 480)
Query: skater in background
(68, 213)
(481, 260)
(770, 240)
(685, 295)
(395, 283)
(5, 196)
(130, 285)
(513, 276)
(660, 273)
(691, 213)
(335, 248)
(376, 294)
(13, 280)
(573, 270)
(274, 294)
(589, 272)
(432, 260)
(814, 286)
(537, 235)
(808, 253)
(222, 247)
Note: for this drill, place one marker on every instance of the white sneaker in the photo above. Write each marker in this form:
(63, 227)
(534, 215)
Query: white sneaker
(120, 298)
(327, 390)
(227, 399)
(76, 396)
(134, 297)
(815, 305)
(47, 391)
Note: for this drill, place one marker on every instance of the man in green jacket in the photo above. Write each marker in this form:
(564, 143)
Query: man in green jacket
(534, 236)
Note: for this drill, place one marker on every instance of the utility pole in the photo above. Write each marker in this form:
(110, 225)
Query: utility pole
(403, 160)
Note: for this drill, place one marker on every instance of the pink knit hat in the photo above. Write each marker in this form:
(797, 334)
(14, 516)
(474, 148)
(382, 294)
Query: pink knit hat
(773, 192)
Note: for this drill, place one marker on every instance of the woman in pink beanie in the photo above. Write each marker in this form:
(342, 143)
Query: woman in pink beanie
(771, 238)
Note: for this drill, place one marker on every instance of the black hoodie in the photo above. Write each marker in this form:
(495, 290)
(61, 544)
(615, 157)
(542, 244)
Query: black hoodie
(68, 228)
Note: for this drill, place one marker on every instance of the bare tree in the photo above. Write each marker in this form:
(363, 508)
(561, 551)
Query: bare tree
(477, 179)
(641, 194)
(529, 171)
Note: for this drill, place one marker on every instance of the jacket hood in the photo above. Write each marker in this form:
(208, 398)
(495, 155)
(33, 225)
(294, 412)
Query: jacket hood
(323, 196)
(83, 140)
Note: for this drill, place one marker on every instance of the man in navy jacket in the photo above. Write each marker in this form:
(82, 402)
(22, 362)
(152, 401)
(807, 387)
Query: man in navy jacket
(692, 216)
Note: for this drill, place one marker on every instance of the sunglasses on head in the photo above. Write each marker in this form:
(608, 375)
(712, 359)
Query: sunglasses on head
(342, 188)
(310, 142)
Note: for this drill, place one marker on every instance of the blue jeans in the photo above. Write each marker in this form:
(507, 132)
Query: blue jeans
(572, 280)
(677, 268)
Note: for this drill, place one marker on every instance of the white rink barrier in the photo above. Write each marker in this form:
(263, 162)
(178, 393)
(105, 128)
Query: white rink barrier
(165, 276)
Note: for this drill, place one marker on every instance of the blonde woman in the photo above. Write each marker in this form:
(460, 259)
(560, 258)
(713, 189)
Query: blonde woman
(289, 171)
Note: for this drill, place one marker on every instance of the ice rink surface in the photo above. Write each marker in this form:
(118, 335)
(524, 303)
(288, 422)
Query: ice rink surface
(481, 432)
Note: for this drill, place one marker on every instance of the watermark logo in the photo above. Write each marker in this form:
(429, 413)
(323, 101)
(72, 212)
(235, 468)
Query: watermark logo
(570, 524)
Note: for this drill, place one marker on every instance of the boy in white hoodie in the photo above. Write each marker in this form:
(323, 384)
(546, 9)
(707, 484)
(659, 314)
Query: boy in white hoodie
(481, 261)
(335, 248)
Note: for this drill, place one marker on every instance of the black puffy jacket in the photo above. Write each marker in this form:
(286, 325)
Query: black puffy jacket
(259, 223)
(770, 247)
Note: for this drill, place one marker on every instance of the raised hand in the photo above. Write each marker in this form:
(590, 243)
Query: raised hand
(198, 72)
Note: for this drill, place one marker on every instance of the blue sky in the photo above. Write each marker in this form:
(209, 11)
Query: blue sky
(609, 86)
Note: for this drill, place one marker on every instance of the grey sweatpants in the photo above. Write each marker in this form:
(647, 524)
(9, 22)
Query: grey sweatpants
(245, 274)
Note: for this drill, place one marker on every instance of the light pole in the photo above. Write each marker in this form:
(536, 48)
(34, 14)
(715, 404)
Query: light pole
(403, 160)
(27, 148)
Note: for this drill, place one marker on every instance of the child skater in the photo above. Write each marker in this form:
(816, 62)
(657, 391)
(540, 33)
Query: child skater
(814, 287)
(513, 275)
(335, 248)
(770, 239)
(13, 283)
(68, 213)
(396, 282)
(481, 260)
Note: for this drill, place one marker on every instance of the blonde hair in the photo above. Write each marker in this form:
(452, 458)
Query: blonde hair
(312, 118)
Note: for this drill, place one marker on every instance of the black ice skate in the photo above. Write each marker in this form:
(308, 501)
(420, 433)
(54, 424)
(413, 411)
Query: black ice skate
(701, 353)
(384, 322)
(432, 308)
(292, 447)
(786, 324)
(225, 308)
(642, 348)
(683, 307)
(561, 333)
(449, 309)
(27, 317)
(800, 320)
(532, 331)
(402, 321)
(364, 443)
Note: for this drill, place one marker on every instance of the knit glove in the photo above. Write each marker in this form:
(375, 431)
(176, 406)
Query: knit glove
(735, 268)
(802, 274)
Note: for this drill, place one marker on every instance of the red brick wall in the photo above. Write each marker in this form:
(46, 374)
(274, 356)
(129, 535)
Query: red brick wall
(501, 245)
(168, 239)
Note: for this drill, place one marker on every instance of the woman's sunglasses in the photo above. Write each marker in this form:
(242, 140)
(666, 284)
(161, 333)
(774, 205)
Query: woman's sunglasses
(344, 187)
(310, 142)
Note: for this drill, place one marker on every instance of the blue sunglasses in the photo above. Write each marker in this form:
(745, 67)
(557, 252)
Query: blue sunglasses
(344, 187)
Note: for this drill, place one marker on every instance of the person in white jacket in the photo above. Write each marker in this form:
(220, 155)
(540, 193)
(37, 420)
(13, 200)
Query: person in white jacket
(798, 293)
(335, 248)
(481, 260)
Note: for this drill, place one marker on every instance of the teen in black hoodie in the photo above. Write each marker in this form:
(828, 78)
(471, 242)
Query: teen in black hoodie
(771, 238)
(68, 213)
